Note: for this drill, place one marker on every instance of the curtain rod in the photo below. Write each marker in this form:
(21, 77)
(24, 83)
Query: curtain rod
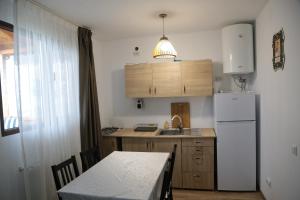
(54, 13)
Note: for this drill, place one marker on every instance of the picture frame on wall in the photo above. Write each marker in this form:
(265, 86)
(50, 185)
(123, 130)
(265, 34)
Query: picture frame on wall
(278, 50)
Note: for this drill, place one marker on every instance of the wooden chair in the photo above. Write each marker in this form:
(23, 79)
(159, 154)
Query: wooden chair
(89, 158)
(63, 174)
(166, 192)
(172, 161)
(165, 185)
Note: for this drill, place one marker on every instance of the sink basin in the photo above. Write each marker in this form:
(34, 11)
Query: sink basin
(170, 132)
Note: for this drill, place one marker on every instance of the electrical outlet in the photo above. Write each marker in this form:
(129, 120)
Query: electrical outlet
(268, 181)
(294, 150)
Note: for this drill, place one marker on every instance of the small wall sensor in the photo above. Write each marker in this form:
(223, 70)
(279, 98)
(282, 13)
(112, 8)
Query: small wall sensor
(136, 51)
(139, 103)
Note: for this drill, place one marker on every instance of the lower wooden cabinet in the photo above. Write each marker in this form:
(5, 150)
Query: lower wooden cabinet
(198, 163)
(194, 164)
(198, 159)
(136, 144)
(198, 180)
(166, 145)
(157, 145)
(109, 144)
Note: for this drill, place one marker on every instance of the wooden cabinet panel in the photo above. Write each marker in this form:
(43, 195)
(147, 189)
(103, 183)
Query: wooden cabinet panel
(109, 144)
(198, 180)
(169, 79)
(198, 159)
(166, 145)
(194, 164)
(198, 163)
(136, 144)
(196, 78)
(166, 79)
(138, 80)
(198, 142)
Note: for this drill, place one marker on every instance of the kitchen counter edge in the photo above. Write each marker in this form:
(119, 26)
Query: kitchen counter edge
(129, 132)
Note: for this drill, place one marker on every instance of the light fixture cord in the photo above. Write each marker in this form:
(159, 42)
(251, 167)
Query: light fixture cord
(163, 26)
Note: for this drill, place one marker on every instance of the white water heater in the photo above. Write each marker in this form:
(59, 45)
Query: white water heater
(237, 45)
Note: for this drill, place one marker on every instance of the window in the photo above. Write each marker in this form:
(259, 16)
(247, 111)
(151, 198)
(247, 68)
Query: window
(8, 103)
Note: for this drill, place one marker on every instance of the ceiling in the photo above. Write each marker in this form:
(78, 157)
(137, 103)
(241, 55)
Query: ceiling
(115, 19)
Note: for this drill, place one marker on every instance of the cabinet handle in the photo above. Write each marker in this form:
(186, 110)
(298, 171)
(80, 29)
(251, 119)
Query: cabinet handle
(196, 176)
(197, 158)
(147, 144)
(184, 89)
(149, 90)
(155, 90)
(152, 145)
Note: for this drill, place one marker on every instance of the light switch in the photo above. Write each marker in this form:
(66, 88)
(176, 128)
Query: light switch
(294, 150)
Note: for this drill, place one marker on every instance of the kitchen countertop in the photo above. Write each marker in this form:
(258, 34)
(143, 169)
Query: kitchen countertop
(188, 133)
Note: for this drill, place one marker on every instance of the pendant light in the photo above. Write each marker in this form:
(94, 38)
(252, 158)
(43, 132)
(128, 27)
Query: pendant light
(164, 48)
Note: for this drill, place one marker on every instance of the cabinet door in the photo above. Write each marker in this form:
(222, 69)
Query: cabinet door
(166, 79)
(166, 145)
(138, 80)
(198, 180)
(196, 78)
(136, 144)
(109, 144)
(198, 159)
(198, 163)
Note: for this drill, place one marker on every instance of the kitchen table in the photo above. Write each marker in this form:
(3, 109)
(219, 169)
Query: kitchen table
(121, 175)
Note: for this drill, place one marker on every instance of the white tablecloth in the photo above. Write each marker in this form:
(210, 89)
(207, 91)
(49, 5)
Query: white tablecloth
(121, 175)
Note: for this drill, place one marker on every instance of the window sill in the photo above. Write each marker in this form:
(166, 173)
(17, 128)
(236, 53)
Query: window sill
(8, 132)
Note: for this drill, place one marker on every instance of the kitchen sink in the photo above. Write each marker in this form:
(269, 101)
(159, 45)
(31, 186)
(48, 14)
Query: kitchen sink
(170, 132)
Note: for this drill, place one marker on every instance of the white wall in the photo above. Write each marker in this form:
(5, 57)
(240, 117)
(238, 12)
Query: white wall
(11, 184)
(279, 100)
(110, 58)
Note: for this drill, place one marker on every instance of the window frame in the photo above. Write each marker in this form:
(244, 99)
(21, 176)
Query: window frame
(11, 131)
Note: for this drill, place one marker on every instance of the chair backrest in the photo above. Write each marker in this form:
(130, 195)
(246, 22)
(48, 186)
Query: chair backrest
(65, 172)
(166, 190)
(165, 185)
(172, 160)
(89, 158)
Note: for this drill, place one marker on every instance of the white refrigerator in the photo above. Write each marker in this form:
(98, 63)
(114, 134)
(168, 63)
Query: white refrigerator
(235, 128)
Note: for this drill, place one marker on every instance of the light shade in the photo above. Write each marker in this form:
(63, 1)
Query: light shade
(164, 49)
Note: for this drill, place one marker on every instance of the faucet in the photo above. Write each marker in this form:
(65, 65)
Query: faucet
(180, 126)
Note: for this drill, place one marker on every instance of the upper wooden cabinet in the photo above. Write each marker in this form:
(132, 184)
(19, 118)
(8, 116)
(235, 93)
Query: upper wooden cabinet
(196, 78)
(166, 79)
(169, 79)
(138, 79)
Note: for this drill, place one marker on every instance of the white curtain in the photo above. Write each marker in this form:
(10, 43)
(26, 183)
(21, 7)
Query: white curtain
(48, 95)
